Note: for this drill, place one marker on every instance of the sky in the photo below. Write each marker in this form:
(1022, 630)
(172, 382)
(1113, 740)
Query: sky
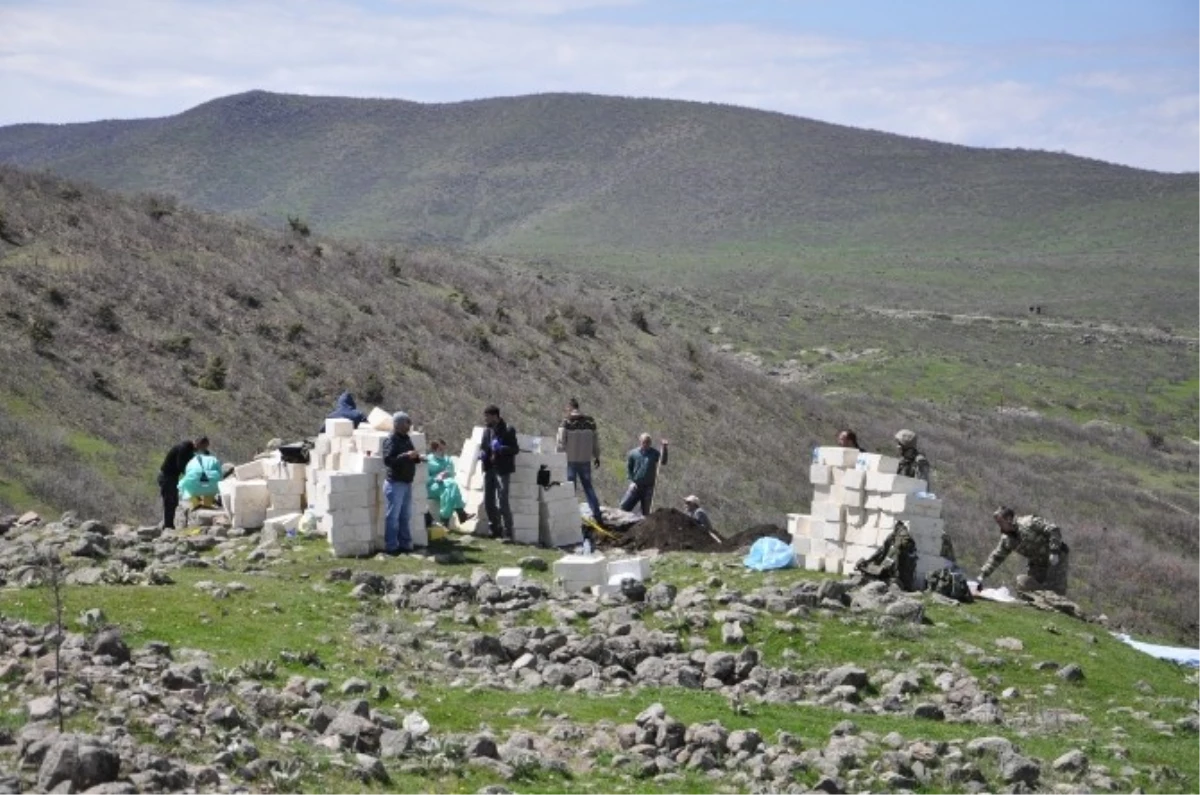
(1116, 80)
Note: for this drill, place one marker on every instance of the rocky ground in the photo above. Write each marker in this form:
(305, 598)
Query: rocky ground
(437, 678)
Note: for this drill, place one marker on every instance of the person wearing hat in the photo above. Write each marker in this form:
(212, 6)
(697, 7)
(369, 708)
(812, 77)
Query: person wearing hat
(913, 462)
(1040, 542)
(401, 459)
(699, 515)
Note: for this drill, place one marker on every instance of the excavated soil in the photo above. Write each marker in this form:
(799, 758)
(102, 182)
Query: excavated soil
(671, 530)
(668, 530)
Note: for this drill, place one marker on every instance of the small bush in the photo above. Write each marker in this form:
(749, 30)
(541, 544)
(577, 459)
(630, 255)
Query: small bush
(180, 345)
(213, 377)
(556, 331)
(469, 306)
(106, 319)
(299, 226)
(585, 326)
(302, 375)
(265, 330)
(478, 336)
(372, 389)
(41, 331)
(100, 385)
(57, 297)
(295, 332)
(159, 206)
(638, 316)
(394, 268)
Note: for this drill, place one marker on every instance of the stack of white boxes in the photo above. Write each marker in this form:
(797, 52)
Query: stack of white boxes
(857, 499)
(598, 574)
(263, 490)
(345, 483)
(549, 516)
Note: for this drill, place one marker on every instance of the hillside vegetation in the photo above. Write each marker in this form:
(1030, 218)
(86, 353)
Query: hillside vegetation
(129, 323)
(666, 190)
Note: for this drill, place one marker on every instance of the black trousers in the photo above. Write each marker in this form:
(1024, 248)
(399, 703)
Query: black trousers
(170, 500)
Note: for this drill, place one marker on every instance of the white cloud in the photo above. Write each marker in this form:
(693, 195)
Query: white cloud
(73, 60)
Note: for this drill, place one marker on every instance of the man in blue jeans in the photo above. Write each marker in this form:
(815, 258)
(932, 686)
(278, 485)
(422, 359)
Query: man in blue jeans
(401, 459)
(579, 439)
(642, 470)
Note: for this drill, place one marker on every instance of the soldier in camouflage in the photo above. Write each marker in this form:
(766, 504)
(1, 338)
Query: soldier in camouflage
(913, 462)
(1040, 542)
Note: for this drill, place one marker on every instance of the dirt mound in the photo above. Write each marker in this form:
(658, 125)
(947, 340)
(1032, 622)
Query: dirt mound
(745, 538)
(669, 530)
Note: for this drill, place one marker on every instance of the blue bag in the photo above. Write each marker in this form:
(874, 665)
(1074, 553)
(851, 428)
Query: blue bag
(770, 553)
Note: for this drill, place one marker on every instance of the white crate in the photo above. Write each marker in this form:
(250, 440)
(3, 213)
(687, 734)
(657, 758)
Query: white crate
(636, 567)
(592, 569)
(292, 487)
(820, 475)
(801, 545)
(813, 563)
(894, 484)
(853, 479)
(251, 470)
(508, 577)
(350, 481)
(836, 456)
(833, 531)
(338, 427)
(286, 502)
(827, 511)
(379, 420)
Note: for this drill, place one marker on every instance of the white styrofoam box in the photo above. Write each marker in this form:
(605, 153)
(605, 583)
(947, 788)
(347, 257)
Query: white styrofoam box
(857, 552)
(914, 504)
(853, 535)
(836, 456)
(822, 492)
(562, 534)
(813, 563)
(591, 569)
(833, 531)
(636, 567)
(369, 440)
(251, 470)
(928, 526)
(835, 565)
(854, 479)
(293, 487)
(826, 511)
(350, 548)
(578, 586)
(801, 544)
(563, 491)
(249, 494)
(855, 517)
(419, 441)
(362, 463)
(350, 481)
(287, 502)
(524, 533)
(417, 531)
(508, 577)
(249, 518)
(347, 501)
(339, 427)
(530, 444)
(851, 498)
(477, 434)
(894, 484)
(820, 475)
(285, 521)
(467, 463)
(322, 446)
(379, 420)
(350, 516)
(816, 546)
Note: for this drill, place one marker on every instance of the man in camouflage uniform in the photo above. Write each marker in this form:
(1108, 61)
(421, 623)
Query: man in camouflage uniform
(913, 462)
(1040, 542)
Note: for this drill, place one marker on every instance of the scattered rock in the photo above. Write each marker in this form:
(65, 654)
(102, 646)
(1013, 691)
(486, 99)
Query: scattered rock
(1071, 672)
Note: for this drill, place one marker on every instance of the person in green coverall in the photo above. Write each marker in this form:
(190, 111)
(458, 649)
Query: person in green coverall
(441, 485)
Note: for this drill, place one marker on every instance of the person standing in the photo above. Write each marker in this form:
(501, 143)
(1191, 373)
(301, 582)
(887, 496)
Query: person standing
(1040, 542)
(692, 507)
(913, 462)
(172, 469)
(401, 459)
(579, 439)
(641, 467)
(498, 452)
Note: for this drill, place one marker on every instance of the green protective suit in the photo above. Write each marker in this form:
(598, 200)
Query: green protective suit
(201, 477)
(446, 490)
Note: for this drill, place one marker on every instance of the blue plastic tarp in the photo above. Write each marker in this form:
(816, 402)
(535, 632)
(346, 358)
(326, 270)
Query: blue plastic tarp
(770, 553)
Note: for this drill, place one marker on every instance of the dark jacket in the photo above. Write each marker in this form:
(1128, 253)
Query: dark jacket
(504, 460)
(176, 462)
(641, 467)
(346, 409)
(399, 470)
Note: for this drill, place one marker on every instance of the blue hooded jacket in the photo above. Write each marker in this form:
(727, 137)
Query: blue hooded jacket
(345, 409)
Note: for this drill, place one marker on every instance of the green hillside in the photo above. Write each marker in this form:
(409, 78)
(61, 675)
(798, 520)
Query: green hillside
(130, 322)
(668, 189)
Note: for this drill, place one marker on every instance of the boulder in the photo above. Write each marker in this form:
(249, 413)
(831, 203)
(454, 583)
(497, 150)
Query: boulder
(82, 760)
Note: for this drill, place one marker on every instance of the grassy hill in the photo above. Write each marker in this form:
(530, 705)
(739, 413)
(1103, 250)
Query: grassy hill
(130, 322)
(669, 190)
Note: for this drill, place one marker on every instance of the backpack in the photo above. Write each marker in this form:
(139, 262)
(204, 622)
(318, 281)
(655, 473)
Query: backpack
(949, 582)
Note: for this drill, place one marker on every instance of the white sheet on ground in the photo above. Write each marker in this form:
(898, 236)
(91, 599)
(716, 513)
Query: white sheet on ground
(1175, 654)
(1001, 594)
